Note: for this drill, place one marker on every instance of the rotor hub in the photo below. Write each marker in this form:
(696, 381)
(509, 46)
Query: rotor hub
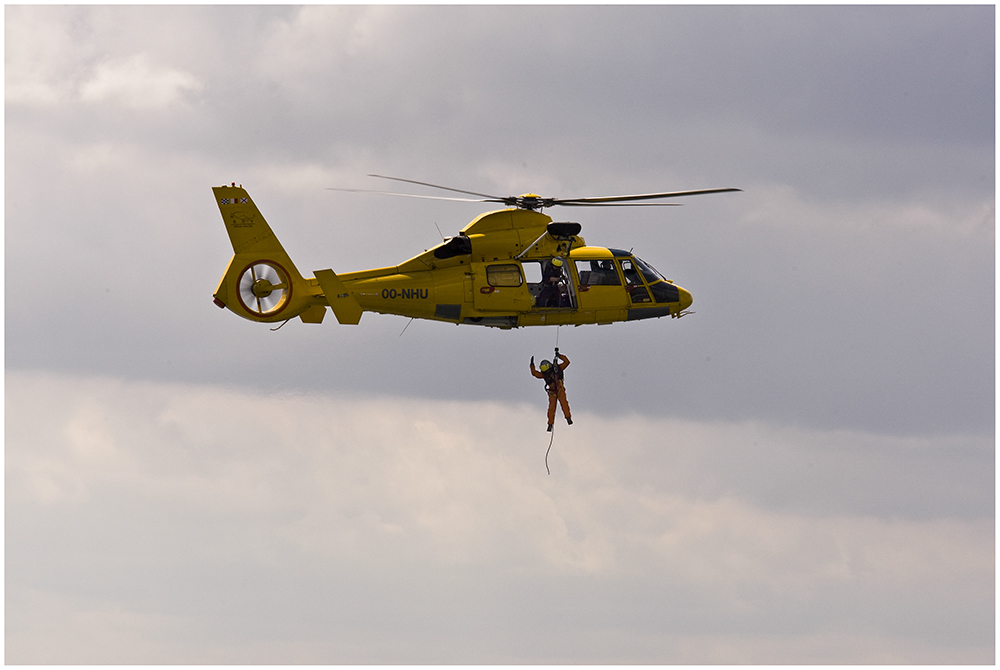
(531, 201)
(262, 288)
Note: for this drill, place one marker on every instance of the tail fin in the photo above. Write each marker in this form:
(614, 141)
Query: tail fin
(248, 231)
(261, 282)
(345, 307)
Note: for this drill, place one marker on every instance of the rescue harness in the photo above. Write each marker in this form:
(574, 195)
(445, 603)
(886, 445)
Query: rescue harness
(553, 376)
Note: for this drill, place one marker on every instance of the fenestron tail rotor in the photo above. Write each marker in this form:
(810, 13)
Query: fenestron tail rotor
(264, 288)
(535, 202)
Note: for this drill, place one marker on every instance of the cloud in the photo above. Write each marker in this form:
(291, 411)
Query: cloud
(168, 522)
(136, 83)
(59, 57)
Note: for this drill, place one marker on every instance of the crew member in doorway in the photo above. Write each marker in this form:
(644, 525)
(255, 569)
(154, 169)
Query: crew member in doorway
(551, 294)
(552, 373)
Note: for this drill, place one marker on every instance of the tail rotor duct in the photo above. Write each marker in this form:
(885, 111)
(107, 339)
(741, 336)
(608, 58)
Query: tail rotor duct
(264, 288)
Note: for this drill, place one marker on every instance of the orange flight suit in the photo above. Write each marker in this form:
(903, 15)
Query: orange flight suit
(555, 387)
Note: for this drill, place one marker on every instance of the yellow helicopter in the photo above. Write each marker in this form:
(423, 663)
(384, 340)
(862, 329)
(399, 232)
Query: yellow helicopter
(508, 268)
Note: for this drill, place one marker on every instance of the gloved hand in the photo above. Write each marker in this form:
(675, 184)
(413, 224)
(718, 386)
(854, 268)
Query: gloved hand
(532, 361)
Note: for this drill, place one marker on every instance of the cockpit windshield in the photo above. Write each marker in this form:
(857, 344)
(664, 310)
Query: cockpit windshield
(648, 271)
(662, 290)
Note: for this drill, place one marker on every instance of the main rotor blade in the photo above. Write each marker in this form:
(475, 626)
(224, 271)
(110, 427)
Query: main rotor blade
(494, 198)
(411, 195)
(572, 203)
(535, 202)
(644, 196)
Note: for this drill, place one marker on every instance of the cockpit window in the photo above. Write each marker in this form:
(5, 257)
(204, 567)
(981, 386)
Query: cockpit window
(648, 271)
(662, 290)
(636, 290)
(631, 274)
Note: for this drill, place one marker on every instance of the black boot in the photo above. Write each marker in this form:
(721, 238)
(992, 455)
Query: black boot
(569, 421)
(549, 429)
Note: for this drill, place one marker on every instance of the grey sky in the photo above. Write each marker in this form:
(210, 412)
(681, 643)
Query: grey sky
(823, 420)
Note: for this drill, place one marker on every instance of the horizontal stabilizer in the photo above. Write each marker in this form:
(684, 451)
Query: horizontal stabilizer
(345, 307)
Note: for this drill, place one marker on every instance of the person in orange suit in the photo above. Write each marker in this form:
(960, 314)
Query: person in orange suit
(552, 373)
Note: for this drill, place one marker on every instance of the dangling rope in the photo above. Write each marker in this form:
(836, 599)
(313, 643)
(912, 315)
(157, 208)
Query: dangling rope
(547, 471)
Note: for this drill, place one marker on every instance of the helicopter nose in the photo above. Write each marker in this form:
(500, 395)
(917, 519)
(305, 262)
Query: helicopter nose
(685, 298)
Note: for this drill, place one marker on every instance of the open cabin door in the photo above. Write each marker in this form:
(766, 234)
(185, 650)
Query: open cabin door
(550, 284)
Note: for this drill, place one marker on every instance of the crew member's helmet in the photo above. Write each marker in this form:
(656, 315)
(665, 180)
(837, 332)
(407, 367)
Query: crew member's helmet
(545, 365)
(557, 262)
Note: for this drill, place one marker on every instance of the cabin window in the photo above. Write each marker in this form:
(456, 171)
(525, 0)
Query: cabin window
(507, 275)
(532, 272)
(598, 273)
